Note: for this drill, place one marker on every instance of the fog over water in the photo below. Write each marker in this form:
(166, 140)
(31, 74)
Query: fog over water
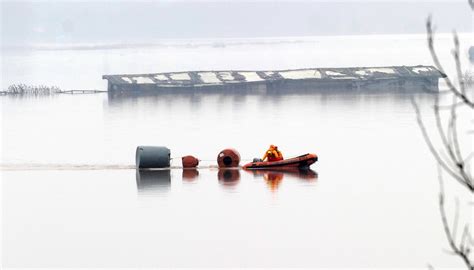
(33, 22)
(72, 198)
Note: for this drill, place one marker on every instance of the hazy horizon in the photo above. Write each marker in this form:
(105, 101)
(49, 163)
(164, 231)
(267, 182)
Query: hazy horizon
(26, 23)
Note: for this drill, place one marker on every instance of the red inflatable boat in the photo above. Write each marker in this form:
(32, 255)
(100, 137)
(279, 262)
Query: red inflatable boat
(303, 161)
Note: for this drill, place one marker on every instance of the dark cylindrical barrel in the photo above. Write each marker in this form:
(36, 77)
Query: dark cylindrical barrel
(228, 158)
(152, 157)
(189, 162)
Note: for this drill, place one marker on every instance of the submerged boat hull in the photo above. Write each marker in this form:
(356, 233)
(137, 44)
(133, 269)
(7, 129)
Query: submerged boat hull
(303, 161)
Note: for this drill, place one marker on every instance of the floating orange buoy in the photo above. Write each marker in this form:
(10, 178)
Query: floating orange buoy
(228, 158)
(189, 162)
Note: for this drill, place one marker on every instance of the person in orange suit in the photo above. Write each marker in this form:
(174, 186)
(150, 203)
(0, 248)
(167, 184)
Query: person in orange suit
(273, 154)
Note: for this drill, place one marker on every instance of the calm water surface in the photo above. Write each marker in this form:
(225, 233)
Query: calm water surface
(70, 199)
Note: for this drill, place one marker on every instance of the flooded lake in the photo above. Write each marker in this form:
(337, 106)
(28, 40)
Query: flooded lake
(72, 198)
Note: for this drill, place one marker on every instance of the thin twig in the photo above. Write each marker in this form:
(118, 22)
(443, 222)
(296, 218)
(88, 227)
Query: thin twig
(462, 252)
(434, 56)
(433, 150)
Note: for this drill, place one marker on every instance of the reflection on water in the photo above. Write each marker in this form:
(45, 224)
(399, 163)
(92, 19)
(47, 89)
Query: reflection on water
(190, 174)
(263, 94)
(153, 181)
(273, 180)
(335, 126)
(159, 181)
(360, 136)
(274, 177)
(228, 177)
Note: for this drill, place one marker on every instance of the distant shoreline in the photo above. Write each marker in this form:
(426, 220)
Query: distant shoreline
(210, 42)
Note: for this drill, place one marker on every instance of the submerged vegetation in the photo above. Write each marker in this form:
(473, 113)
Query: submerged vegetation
(42, 90)
(31, 90)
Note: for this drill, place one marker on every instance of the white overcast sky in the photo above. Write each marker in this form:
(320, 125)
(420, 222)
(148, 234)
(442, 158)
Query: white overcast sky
(141, 21)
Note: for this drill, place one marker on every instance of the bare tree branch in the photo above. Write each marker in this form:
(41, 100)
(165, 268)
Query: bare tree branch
(457, 61)
(450, 158)
(451, 86)
(451, 169)
(463, 248)
(455, 163)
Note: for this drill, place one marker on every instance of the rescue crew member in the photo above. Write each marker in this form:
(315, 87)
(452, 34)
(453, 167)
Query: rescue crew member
(273, 154)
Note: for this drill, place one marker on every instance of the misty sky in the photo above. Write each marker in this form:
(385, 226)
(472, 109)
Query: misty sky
(134, 21)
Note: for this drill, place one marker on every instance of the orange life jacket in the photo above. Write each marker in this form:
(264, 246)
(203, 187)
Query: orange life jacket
(273, 155)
